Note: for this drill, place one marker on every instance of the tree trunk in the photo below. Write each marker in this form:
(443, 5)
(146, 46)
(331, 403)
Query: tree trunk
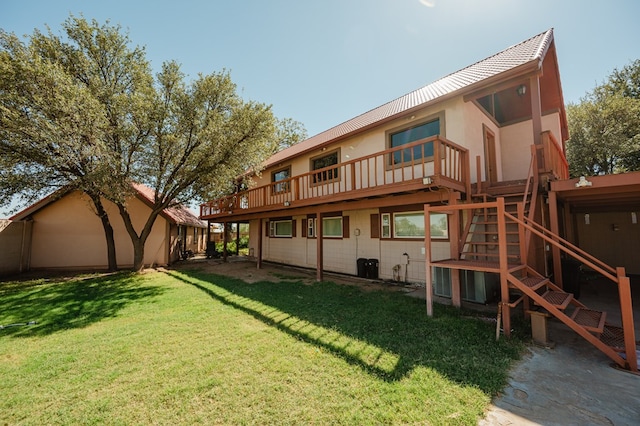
(138, 241)
(108, 231)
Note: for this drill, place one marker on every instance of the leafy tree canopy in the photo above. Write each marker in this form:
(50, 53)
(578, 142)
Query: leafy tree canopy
(605, 126)
(84, 110)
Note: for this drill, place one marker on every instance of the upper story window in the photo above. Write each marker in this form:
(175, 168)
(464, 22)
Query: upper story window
(413, 134)
(323, 163)
(280, 180)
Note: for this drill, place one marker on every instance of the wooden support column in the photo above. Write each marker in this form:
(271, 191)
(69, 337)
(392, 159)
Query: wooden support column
(536, 109)
(237, 238)
(319, 244)
(555, 228)
(225, 238)
(624, 290)
(259, 247)
(454, 238)
(427, 254)
(504, 268)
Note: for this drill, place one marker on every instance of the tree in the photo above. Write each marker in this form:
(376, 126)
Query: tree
(51, 131)
(605, 126)
(186, 141)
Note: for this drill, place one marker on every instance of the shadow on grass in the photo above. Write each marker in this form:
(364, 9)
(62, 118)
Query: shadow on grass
(68, 304)
(385, 333)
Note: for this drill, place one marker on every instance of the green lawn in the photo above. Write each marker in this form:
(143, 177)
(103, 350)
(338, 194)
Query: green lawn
(191, 348)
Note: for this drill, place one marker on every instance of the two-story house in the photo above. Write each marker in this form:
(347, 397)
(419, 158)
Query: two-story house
(418, 189)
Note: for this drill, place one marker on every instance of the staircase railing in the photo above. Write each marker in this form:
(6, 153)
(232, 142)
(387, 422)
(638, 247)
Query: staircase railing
(616, 275)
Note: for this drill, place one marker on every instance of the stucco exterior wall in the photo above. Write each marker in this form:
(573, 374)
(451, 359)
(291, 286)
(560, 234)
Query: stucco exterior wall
(13, 239)
(341, 254)
(68, 234)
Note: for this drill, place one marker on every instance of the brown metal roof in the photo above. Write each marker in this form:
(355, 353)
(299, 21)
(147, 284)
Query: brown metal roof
(179, 214)
(529, 52)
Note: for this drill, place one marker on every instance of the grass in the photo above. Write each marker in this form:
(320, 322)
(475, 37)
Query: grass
(191, 348)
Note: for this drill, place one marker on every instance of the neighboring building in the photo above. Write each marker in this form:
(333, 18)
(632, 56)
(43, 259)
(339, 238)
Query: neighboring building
(471, 149)
(62, 231)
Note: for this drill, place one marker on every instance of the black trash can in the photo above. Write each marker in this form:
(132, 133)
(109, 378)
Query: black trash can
(372, 269)
(362, 267)
(571, 276)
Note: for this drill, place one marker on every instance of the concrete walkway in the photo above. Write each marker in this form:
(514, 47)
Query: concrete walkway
(572, 384)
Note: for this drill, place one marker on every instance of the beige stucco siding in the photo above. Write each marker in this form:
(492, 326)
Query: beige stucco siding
(68, 234)
(14, 256)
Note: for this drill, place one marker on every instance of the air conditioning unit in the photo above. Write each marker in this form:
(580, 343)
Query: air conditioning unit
(441, 278)
(479, 287)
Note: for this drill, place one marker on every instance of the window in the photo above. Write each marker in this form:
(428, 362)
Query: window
(332, 227)
(324, 163)
(277, 177)
(408, 225)
(411, 225)
(281, 228)
(413, 134)
(386, 225)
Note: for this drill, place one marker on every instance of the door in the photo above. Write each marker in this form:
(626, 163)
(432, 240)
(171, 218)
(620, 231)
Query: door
(490, 163)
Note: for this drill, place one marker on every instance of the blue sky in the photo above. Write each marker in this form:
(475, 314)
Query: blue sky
(323, 62)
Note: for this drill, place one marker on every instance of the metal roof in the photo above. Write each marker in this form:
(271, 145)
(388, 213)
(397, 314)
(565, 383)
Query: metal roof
(528, 52)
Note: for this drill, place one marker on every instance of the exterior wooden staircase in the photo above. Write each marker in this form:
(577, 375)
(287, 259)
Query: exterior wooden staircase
(496, 239)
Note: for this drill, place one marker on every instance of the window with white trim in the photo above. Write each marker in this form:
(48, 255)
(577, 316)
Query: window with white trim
(411, 225)
(332, 227)
(281, 228)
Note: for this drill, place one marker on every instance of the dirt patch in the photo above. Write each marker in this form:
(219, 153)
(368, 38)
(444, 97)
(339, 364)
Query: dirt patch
(245, 269)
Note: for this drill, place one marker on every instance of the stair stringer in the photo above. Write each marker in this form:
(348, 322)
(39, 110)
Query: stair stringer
(595, 341)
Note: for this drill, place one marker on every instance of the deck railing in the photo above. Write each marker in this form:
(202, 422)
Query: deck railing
(443, 162)
(551, 157)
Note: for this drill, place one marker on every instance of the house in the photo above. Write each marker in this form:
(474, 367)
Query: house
(61, 231)
(469, 159)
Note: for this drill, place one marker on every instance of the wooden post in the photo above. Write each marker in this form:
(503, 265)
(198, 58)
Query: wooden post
(259, 248)
(454, 238)
(319, 244)
(624, 290)
(427, 253)
(555, 228)
(224, 241)
(504, 268)
(478, 175)
(536, 109)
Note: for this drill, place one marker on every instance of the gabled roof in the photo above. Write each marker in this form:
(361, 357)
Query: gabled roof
(179, 215)
(522, 57)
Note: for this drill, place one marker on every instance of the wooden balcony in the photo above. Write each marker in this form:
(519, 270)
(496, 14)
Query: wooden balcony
(408, 168)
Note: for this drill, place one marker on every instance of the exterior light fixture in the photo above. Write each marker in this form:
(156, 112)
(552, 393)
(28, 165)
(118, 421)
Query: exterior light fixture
(427, 180)
(287, 203)
(521, 90)
(582, 182)
(634, 218)
(587, 219)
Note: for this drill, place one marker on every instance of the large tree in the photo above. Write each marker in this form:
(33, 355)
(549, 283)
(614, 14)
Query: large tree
(185, 140)
(605, 126)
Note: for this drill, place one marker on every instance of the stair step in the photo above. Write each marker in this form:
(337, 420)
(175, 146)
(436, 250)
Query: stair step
(473, 253)
(613, 336)
(559, 299)
(533, 283)
(492, 243)
(590, 319)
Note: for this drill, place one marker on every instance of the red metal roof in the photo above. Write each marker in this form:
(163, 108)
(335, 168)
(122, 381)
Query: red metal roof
(529, 52)
(179, 214)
